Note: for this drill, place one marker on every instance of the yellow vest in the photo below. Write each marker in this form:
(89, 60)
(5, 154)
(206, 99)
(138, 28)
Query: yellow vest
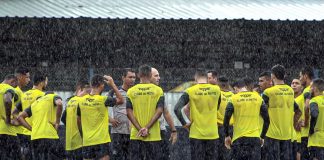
(29, 98)
(19, 93)
(247, 107)
(94, 120)
(222, 107)
(5, 128)
(317, 139)
(144, 98)
(73, 139)
(203, 101)
(304, 130)
(300, 102)
(43, 117)
(281, 112)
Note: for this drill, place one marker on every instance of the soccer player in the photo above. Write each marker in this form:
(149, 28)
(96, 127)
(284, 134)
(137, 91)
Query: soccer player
(281, 108)
(299, 99)
(226, 94)
(39, 84)
(93, 111)
(145, 103)
(306, 75)
(316, 131)
(73, 138)
(246, 107)
(212, 77)
(204, 100)
(120, 130)
(265, 81)
(23, 76)
(166, 117)
(46, 112)
(8, 138)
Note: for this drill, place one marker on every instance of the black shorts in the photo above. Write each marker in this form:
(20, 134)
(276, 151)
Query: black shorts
(120, 146)
(304, 152)
(74, 154)
(95, 151)
(9, 148)
(223, 152)
(247, 148)
(140, 150)
(277, 149)
(295, 148)
(47, 149)
(25, 144)
(204, 149)
(316, 152)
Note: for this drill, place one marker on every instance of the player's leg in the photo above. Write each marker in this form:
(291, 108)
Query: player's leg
(135, 150)
(197, 149)
(211, 149)
(154, 150)
(285, 149)
(304, 150)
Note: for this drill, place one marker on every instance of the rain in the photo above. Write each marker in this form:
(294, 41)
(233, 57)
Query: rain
(69, 49)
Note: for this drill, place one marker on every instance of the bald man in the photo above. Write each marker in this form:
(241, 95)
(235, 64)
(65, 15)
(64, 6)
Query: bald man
(168, 118)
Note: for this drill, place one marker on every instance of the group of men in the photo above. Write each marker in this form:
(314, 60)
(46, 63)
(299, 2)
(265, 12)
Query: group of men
(270, 121)
(30, 120)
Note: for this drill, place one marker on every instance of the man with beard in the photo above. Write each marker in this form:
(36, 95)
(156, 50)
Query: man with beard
(316, 131)
(120, 130)
(23, 77)
(265, 81)
(306, 76)
(283, 112)
(39, 84)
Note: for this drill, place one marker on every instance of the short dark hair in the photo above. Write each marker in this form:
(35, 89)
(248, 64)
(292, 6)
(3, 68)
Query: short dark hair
(308, 71)
(223, 81)
(21, 70)
(82, 84)
(145, 71)
(126, 70)
(266, 74)
(319, 84)
(248, 82)
(239, 84)
(49, 92)
(279, 71)
(10, 77)
(201, 72)
(244, 82)
(213, 72)
(38, 77)
(97, 80)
